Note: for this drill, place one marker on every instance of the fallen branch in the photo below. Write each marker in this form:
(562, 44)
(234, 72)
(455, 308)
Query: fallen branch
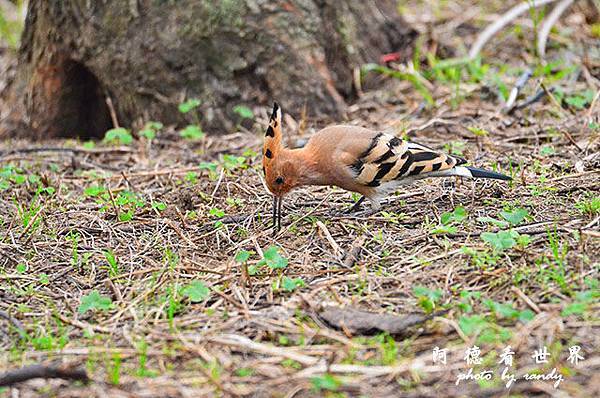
(41, 371)
(521, 81)
(368, 323)
(530, 100)
(353, 254)
(500, 23)
(14, 321)
(245, 343)
(548, 23)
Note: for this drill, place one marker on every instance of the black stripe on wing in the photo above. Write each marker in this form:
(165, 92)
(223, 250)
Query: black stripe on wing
(384, 168)
(372, 146)
(425, 156)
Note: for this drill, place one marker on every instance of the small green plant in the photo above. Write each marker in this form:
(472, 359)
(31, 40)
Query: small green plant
(428, 298)
(142, 370)
(189, 105)
(478, 131)
(504, 240)
(515, 216)
(243, 112)
(118, 135)
(158, 206)
(455, 147)
(29, 215)
(211, 167)
(580, 100)
(94, 302)
(449, 221)
(113, 263)
(547, 150)
(94, 191)
(582, 303)
(150, 130)
(114, 370)
(196, 291)
(232, 162)
(327, 382)
(192, 132)
(272, 259)
(506, 310)
(589, 205)
(291, 284)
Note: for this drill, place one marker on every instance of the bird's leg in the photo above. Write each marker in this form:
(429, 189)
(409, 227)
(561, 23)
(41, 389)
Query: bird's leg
(356, 206)
(375, 207)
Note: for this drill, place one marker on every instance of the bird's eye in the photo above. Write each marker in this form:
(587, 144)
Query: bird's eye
(279, 180)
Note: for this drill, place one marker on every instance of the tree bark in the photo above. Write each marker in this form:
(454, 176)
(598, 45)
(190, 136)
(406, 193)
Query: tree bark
(148, 56)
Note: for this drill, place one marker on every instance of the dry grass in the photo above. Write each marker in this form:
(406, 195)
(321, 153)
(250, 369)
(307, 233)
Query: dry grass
(251, 337)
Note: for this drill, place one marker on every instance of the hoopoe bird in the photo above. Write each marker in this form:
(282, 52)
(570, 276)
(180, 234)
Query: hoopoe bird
(356, 159)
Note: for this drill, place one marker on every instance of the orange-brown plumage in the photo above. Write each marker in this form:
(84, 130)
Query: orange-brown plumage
(356, 159)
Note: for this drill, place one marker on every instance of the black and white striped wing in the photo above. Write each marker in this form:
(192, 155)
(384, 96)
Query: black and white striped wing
(389, 158)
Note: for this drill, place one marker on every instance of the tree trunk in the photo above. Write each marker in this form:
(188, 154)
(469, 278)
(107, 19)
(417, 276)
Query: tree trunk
(148, 56)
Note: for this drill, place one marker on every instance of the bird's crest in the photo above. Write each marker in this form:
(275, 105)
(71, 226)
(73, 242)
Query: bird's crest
(273, 138)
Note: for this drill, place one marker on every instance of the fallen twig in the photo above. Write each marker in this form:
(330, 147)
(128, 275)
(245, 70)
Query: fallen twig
(364, 322)
(530, 100)
(41, 371)
(12, 320)
(500, 23)
(521, 81)
(353, 254)
(547, 25)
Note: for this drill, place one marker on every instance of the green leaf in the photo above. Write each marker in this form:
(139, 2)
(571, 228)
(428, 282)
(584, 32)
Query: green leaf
(211, 166)
(118, 135)
(500, 240)
(192, 132)
(243, 111)
(150, 129)
(289, 284)
(160, 206)
(427, 297)
(478, 131)
(471, 325)
(189, 105)
(456, 216)
(576, 308)
(272, 258)
(526, 315)
(216, 212)
(196, 291)
(523, 240)
(501, 309)
(94, 301)
(126, 216)
(547, 150)
(325, 382)
(242, 256)
(516, 216)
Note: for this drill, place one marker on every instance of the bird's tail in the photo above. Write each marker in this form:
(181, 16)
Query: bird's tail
(473, 172)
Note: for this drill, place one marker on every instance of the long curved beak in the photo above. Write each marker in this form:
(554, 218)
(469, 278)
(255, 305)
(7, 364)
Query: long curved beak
(276, 214)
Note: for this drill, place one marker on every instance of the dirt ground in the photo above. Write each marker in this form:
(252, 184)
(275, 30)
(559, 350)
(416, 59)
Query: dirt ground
(153, 265)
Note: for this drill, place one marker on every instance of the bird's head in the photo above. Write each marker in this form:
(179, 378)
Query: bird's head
(281, 173)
